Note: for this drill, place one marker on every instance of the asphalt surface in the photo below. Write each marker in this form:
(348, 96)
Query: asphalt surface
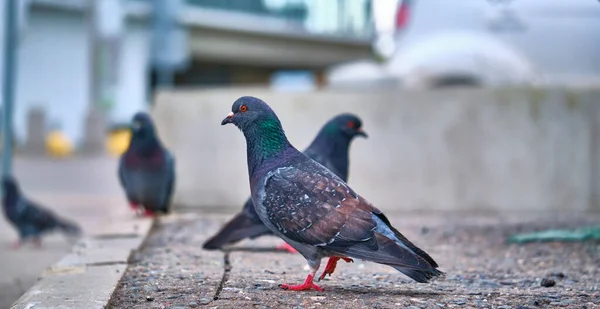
(482, 270)
(82, 189)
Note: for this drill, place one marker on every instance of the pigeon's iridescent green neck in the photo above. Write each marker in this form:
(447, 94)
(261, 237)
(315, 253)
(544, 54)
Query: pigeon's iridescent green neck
(271, 139)
(265, 140)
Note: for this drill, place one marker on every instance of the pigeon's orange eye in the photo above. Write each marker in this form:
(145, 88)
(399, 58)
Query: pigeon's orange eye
(243, 108)
(351, 124)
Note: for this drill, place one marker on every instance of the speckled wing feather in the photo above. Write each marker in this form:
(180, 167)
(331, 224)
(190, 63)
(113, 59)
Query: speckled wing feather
(310, 205)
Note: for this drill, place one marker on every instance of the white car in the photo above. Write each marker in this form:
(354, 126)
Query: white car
(434, 43)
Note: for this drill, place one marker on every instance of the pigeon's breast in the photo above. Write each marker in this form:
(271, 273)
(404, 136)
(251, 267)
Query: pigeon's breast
(148, 185)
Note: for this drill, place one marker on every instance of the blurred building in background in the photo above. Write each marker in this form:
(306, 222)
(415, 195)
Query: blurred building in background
(439, 43)
(77, 56)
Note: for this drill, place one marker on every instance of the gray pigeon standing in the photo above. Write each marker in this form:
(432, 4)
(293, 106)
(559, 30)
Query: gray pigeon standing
(30, 219)
(314, 210)
(330, 148)
(147, 169)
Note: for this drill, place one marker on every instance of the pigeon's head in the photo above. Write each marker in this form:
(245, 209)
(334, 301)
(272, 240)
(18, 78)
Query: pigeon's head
(142, 125)
(249, 112)
(348, 125)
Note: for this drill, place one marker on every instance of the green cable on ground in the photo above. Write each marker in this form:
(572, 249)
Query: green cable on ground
(581, 234)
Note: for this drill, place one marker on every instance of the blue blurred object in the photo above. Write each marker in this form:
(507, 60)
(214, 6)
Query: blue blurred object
(8, 91)
(169, 50)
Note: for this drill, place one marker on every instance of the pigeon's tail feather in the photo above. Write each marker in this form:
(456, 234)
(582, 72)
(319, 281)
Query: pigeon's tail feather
(69, 228)
(239, 228)
(419, 275)
(390, 253)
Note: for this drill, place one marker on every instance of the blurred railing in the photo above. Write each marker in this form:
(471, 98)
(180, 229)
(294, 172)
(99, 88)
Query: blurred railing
(343, 18)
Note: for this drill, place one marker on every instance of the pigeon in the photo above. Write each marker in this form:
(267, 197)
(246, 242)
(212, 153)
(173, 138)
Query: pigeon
(147, 169)
(30, 219)
(314, 210)
(330, 148)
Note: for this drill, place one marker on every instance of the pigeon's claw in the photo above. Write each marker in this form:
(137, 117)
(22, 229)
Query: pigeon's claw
(306, 286)
(134, 206)
(331, 264)
(286, 247)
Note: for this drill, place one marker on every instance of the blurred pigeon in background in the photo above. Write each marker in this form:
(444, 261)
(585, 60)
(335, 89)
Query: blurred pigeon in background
(330, 148)
(314, 210)
(30, 219)
(147, 169)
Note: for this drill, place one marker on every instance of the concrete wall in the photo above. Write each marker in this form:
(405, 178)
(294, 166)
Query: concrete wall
(505, 149)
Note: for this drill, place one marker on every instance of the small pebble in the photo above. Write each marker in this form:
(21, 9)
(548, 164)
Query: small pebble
(547, 282)
(204, 301)
(193, 304)
(460, 302)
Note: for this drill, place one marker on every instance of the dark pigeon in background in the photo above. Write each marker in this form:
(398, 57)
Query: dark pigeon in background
(147, 169)
(314, 210)
(30, 219)
(330, 148)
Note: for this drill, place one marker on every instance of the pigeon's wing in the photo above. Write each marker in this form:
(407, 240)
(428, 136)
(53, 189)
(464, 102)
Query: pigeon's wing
(38, 216)
(125, 182)
(310, 205)
(121, 172)
(170, 178)
(250, 212)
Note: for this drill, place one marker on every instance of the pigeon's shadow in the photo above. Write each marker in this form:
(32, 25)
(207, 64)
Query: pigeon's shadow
(255, 250)
(380, 291)
(354, 290)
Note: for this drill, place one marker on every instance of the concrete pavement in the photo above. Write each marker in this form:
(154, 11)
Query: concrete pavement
(482, 270)
(83, 189)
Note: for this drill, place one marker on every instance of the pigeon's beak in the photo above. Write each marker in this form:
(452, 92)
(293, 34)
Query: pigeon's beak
(228, 119)
(362, 133)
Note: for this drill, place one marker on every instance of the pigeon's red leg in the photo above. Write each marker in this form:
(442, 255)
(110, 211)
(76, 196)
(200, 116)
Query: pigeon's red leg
(286, 247)
(331, 264)
(148, 213)
(16, 245)
(307, 285)
(37, 242)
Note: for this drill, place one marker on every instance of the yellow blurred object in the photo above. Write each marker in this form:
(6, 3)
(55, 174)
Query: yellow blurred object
(58, 145)
(118, 141)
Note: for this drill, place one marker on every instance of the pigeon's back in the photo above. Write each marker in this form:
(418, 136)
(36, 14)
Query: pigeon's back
(327, 162)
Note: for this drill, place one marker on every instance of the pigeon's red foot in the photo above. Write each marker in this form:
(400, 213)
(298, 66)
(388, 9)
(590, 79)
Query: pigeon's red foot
(331, 264)
(16, 245)
(286, 247)
(148, 213)
(306, 286)
(134, 206)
